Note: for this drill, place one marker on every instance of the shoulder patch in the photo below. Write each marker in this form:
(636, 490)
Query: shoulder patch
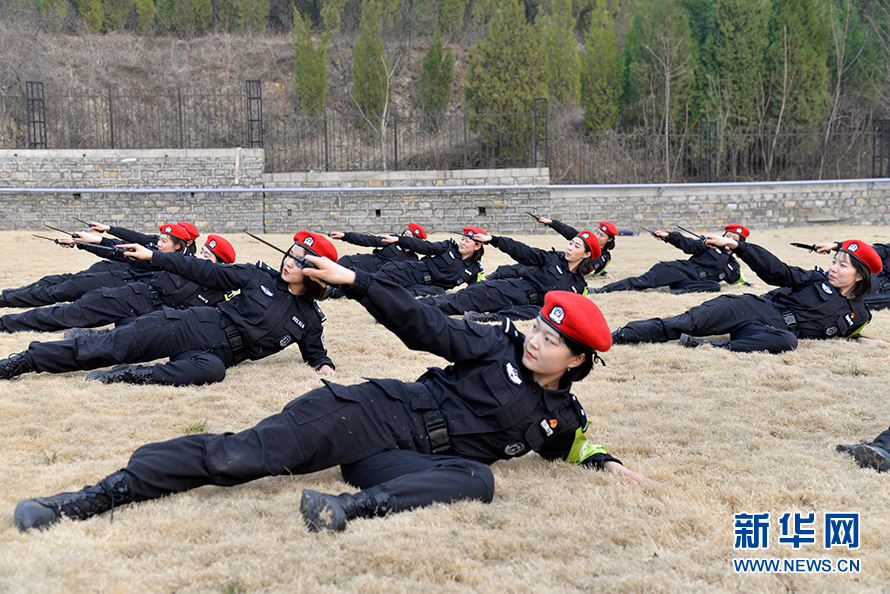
(515, 448)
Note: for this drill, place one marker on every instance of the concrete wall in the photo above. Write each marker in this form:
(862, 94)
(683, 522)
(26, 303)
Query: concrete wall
(222, 189)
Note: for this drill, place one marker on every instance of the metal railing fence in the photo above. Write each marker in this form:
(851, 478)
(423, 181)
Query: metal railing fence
(417, 141)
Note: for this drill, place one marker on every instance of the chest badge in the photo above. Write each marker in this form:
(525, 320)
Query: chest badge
(513, 374)
(285, 340)
(827, 288)
(515, 448)
(266, 290)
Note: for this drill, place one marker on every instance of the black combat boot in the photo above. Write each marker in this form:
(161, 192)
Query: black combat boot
(690, 342)
(620, 337)
(123, 374)
(3, 301)
(331, 512)
(15, 366)
(112, 491)
(871, 455)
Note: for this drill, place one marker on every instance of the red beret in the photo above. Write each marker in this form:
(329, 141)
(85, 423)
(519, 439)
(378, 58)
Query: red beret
(315, 244)
(738, 230)
(577, 317)
(417, 230)
(221, 248)
(471, 231)
(191, 230)
(592, 242)
(609, 228)
(175, 230)
(864, 253)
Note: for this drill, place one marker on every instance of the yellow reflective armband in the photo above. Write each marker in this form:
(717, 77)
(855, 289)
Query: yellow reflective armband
(582, 449)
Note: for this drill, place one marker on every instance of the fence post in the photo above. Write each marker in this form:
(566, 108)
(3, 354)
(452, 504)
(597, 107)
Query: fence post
(110, 118)
(327, 165)
(34, 103)
(254, 114)
(880, 149)
(179, 111)
(541, 132)
(395, 139)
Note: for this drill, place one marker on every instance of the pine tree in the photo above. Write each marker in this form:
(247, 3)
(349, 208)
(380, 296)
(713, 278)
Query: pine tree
(116, 14)
(370, 67)
(562, 62)
(505, 75)
(602, 78)
(434, 83)
(799, 52)
(92, 14)
(451, 15)
(310, 67)
(735, 55)
(145, 16)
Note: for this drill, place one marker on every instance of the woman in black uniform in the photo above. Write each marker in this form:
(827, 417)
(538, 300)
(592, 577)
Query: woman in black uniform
(274, 309)
(808, 304)
(406, 445)
(521, 298)
(384, 252)
(447, 263)
(879, 298)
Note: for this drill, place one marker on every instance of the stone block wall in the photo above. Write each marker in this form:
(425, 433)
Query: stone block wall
(226, 189)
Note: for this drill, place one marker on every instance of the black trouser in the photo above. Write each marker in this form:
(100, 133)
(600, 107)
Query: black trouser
(97, 308)
(375, 438)
(100, 266)
(68, 290)
(676, 275)
(753, 324)
(193, 339)
(509, 296)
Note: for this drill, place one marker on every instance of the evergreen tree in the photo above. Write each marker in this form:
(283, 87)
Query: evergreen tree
(436, 78)
(92, 14)
(370, 67)
(602, 77)
(661, 56)
(799, 56)
(735, 55)
(562, 61)
(145, 16)
(116, 13)
(451, 15)
(311, 74)
(505, 75)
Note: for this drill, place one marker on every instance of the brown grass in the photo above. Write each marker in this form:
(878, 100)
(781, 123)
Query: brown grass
(721, 433)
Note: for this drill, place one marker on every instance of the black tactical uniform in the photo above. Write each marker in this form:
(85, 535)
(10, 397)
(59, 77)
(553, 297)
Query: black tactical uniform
(879, 298)
(804, 306)
(201, 342)
(117, 272)
(519, 298)
(567, 231)
(79, 283)
(383, 254)
(421, 443)
(443, 267)
(700, 273)
(111, 305)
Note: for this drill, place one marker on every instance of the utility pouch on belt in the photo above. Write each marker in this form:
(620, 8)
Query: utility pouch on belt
(433, 421)
(236, 341)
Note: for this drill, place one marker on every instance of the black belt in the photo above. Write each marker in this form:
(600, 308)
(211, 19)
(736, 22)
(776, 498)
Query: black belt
(233, 335)
(703, 274)
(790, 320)
(534, 297)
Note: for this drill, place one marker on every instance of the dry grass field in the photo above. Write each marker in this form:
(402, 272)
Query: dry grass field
(720, 433)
